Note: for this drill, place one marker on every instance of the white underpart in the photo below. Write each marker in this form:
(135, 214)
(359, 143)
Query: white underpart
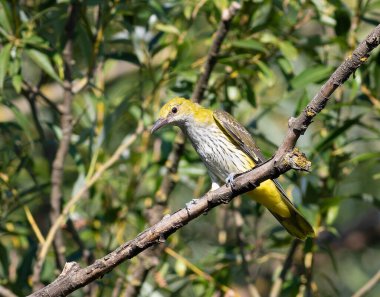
(217, 152)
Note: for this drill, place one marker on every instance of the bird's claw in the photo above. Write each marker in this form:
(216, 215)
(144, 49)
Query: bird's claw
(191, 203)
(230, 180)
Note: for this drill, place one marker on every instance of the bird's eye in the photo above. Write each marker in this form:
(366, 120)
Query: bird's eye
(174, 109)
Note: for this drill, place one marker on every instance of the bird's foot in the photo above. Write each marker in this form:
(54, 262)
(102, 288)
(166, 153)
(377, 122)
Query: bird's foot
(191, 203)
(230, 180)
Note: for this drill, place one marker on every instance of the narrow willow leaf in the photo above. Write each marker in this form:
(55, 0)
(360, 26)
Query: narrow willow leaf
(43, 61)
(5, 17)
(23, 121)
(266, 74)
(167, 28)
(311, 75)
(17, 83)
(251, 98)
(335, 133)
(5, 55)
(249, 44)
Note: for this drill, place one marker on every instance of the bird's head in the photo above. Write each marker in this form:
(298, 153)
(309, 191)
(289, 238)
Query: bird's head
(177, 112)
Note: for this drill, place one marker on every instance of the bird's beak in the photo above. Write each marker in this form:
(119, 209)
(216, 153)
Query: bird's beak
(158, 124)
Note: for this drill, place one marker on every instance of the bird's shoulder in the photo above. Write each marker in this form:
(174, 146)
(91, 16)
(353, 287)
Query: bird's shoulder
(239, 134)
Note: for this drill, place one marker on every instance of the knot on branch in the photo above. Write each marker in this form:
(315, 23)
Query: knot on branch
(231, 11)
(297, 160)
(291, 121)
(373, 40)
(70, 267)
(310, 112)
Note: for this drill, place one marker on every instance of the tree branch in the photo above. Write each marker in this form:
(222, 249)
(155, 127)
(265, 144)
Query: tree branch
(286, 158)
(4, 292)
(276, 288)
(368, 285)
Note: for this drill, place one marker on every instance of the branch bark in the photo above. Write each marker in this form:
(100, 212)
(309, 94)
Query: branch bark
(286, 158)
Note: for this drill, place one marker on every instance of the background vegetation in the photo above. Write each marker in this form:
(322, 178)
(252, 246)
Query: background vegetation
(128, 58)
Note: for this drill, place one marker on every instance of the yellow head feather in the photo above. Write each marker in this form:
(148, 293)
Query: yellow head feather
(178, 111)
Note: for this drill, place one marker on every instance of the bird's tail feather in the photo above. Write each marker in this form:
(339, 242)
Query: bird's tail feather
(295, 224)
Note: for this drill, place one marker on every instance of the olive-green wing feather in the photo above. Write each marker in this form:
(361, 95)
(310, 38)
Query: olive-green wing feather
(239, 135)
(296, 224)
(242, 138)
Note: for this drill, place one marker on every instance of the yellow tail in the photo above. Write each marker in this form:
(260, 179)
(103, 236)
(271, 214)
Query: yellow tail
(273, 197)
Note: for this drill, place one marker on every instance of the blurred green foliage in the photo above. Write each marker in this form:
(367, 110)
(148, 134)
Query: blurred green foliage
(132, 56)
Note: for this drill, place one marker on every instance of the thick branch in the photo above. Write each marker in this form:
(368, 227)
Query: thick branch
(279, 164)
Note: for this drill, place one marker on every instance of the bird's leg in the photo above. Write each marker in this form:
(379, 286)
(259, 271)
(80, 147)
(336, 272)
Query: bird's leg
(191, 203)
(230, 180)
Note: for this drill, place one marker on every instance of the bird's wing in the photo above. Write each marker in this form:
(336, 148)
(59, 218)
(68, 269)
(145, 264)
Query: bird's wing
(239, 135)
(243, 139)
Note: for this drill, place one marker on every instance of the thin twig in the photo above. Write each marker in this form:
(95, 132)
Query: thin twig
(276, 288)
(368, 285)
(66, 128)
(28, 88)
(4, 292)
(198, 271)
(74, 277)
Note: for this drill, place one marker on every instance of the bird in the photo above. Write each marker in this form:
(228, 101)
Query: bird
(226, 148)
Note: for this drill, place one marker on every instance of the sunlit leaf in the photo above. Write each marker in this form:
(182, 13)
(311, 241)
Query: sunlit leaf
(167, 28)
(335, 133)
(4, 61)
(313, 74)
(266, 74)
(17, 83)
(42, 61)
(5, 17)
(250, 44)
(288, 50)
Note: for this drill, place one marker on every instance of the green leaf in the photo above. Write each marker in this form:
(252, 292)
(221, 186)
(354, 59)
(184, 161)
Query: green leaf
(22, 120)
(249, 44)
(285, 65)
(288, 50)
(261, 15)
(368, 198)
(233, 58)
(335, 133)
(266, 74)
(5, 17)
(251, 98)
(43, 61)
(311, 75)
(17, 83)
(167, 28)
(4, 260)
(5, 55)
(365, 157)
